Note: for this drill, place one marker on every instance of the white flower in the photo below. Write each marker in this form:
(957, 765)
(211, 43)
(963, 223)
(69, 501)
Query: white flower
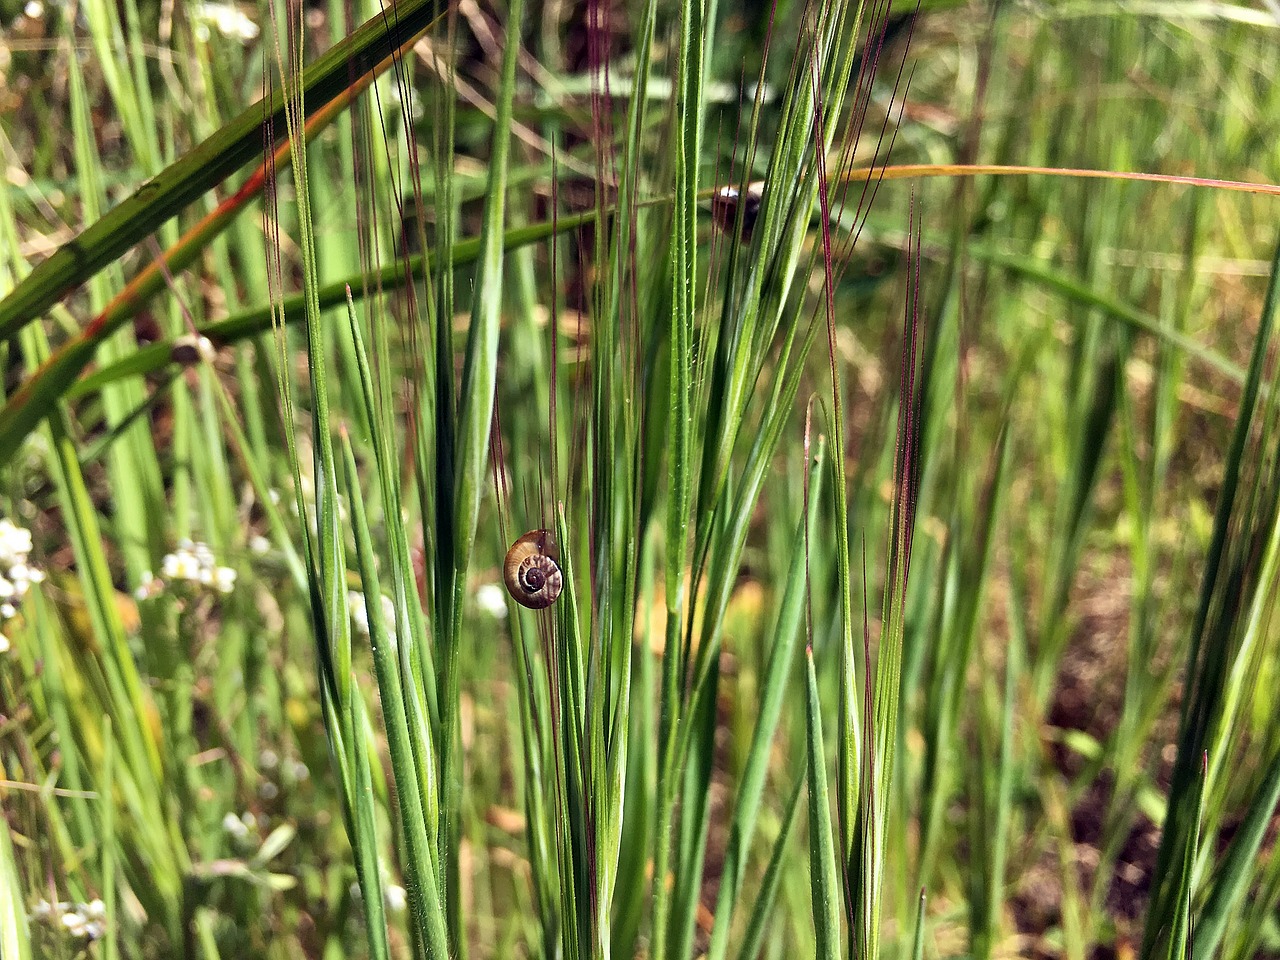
(360, 613)
(234, 826)
(4, 643)
(396, 898)
(148, 586)
(74, 923)
(227, 18)
(44, 909)
(259, 544)
(224, 578)
(15, 543)
(16, 573)
(86, 920)
(193, 563)
(492, 600)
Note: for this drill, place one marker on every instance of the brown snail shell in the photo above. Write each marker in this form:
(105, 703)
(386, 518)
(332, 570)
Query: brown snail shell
(531, 572)
(724, 207)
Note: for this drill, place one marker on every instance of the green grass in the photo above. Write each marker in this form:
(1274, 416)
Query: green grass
(919, 556)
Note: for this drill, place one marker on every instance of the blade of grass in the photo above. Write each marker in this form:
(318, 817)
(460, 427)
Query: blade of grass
(15, 937)
(207, 165)
(474, 419)
(1235, 874)
(762, 906)
(773, 689)
(1210, 648)
(420, 859)
(822, 848)
(23, 409)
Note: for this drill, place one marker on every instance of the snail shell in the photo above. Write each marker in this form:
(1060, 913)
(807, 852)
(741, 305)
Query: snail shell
(531, 572)
(724, 207)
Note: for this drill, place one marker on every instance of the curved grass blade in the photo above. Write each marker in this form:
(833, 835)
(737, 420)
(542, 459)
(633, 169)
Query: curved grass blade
(420, 869)
(24, 408)
(15, 938)
(250, 323)
(773, 689)
(768, 893)
(224, 152)
(822, 846)
(1235, 876)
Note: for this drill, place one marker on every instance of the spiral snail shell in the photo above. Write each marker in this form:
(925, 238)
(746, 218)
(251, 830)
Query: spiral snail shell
(531, 572)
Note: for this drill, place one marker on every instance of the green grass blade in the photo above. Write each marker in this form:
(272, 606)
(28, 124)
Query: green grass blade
(773, 689)
(762, 907)
(15, 938)
(917, 938)
(238, 142)
(420, 866)
(1236, 873)
(1210, 648)
(822, 847)
(474, 420)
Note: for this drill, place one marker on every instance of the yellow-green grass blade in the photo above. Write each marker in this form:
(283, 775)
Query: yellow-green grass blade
(762, 907)
(1245, 501)
(183, 181)
(420, 862)
(22, 411)
(822, 847)
(15, 937)
(773, 689)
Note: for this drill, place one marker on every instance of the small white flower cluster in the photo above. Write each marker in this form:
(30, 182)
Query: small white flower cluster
(292, 771)
(394, 895)
(16, 574)
(88, 920)
(192, 563)
(492, 599)
(360, 613)
(227, 18)
(242, 827)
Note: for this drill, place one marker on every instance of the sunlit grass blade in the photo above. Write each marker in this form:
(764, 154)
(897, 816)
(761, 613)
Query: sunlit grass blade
(15, 937)
(54, 378)
(420, 864)
(762, 906)
(773, 689)
(822, 848)
(1226, 588)
(238, 142)
(1235, 875)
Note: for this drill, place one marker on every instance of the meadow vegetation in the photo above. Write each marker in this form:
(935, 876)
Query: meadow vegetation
(916, 522)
